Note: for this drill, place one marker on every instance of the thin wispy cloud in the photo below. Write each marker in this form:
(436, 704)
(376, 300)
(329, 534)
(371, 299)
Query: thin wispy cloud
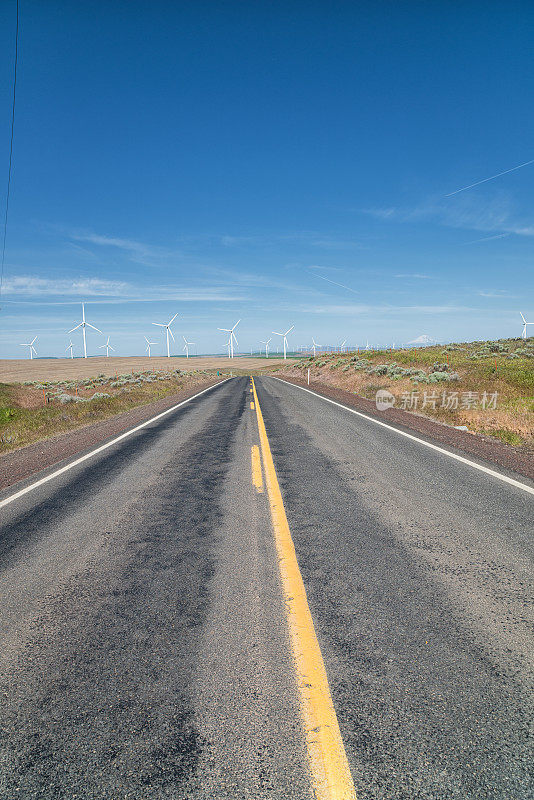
(357, 309)
(497, 294)
(323, 268)
(415, 275)
(494, 216)
(491, 178)
(90, 287)
(138, 252)
(114, 291)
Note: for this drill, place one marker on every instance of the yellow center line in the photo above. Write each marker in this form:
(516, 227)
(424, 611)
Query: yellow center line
(328, 761)
(257, 478)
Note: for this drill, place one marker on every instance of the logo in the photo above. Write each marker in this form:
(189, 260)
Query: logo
(384, 399)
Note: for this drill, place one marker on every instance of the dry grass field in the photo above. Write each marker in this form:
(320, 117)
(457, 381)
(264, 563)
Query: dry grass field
(59, 369)
(486, 386)
(40, 398)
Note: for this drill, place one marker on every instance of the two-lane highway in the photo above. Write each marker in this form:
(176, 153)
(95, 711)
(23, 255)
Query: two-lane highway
(147, 642)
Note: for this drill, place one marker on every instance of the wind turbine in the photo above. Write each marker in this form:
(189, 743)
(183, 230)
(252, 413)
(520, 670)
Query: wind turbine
(186, 346)
(342, 345)
(83, 325)
(168, 329)
(232, 338)
(266, 346)
(525, 323)
(70, 348)
(285, 339)
(148, 346)
(108, 347)
(314, 345)
(30, 345)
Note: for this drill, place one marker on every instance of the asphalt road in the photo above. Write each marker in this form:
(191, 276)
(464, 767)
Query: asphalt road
(145, 651)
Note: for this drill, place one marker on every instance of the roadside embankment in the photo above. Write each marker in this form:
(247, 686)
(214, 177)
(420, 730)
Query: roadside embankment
(53, 432)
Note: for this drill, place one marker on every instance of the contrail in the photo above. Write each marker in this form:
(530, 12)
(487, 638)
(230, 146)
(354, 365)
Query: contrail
(498, 175)
(487, 238)
(336, 283)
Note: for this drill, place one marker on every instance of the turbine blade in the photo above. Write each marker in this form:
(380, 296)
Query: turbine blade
(524, 320)
(93, 327)
(278, 334)
(289, 331)
(75, 329)
(172, 334)
(172, 320)
(160, 324)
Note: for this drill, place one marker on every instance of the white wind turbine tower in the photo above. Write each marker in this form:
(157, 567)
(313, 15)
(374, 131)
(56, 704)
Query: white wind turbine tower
(186, 346)
(83, 325)
(266, 346)
(108, 347)
(70, 348)
(148, 344)
(168, 330)
(285, 338)
(314, 345)
(525, 323)
(232, 338)
(30, 345)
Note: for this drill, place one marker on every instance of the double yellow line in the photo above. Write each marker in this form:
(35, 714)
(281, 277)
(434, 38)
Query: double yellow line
(328, 761)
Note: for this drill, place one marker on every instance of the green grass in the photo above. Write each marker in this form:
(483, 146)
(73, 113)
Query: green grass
(509, 437)
(20, 426)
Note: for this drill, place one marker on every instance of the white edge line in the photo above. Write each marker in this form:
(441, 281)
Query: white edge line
(124, 435)
(488, 471)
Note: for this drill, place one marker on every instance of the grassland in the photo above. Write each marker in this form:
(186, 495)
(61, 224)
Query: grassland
(486, 386)
(35, 410)
(43, 397)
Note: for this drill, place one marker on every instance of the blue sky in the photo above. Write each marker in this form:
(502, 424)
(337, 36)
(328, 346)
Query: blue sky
(282, 163)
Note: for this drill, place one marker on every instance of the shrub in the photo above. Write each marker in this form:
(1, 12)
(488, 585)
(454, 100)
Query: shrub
(70, 398)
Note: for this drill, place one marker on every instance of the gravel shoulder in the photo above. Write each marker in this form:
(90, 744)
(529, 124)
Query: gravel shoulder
(481, 447)
(21, 464)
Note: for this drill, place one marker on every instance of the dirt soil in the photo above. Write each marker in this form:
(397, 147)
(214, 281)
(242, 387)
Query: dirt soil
(21, 464)
(57, 369)
(486, 448)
